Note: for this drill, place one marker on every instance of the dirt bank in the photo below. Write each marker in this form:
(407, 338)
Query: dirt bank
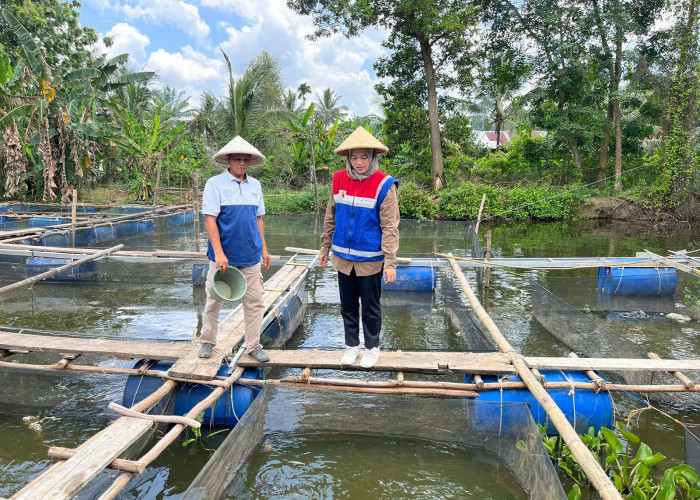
(603, 207)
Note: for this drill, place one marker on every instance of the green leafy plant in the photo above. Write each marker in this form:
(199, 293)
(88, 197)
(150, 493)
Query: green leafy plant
(198, 438)
(629, 470)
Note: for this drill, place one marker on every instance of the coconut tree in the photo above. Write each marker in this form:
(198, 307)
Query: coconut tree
(327, 109)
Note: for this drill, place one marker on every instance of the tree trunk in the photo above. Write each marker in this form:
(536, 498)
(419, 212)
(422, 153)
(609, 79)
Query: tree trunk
(618, 147)
(576, 152)
(604, 148)
(616, 113)
(498, 134)
(434, 124)
(312, 158)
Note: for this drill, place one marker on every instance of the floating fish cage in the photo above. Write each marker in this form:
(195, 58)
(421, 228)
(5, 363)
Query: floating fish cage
(279, 414)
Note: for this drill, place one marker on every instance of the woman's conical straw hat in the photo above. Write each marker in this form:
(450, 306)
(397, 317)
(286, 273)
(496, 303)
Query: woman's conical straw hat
(360, 139)
(240, 146)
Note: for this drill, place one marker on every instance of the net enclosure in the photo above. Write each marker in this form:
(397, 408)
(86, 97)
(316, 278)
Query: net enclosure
(281, 412)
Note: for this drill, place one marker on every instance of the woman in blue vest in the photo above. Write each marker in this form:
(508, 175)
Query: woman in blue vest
(362, 229)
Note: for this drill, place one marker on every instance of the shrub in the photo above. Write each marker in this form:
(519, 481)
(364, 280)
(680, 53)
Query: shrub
(414, 203)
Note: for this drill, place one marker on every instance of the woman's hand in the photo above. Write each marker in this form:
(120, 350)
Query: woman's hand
(323, 260)
(389, 276)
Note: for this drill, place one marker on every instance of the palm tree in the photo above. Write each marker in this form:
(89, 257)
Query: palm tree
(252, 97)
(327, 109)
(204, 123)
(173, 104)
(302, 91)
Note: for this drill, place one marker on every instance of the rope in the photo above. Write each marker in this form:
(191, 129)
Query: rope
(500, 418)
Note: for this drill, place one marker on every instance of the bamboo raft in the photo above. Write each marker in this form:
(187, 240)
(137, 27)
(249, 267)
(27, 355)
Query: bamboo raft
(78, 466)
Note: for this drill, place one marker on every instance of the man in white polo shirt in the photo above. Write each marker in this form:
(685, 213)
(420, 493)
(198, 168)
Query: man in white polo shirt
(233, 207)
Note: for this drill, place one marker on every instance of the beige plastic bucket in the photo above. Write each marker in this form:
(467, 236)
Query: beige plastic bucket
(228, 286)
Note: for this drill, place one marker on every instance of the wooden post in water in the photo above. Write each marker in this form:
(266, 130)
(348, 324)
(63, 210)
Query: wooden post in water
(157, 189)
(478, 217)
(73, 217)
(195, 208)
(487, 279)
(595, 473)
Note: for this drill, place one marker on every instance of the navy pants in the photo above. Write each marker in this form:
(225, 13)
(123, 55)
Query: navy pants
(353, 291)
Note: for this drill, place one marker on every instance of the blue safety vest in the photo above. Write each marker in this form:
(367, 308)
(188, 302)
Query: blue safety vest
(358, 233)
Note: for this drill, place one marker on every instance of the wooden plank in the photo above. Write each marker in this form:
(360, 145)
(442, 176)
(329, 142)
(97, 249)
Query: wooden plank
(232, 330)
(97, 347)
(462, 362)
(615, 364)
(395, 361)
(70, 476)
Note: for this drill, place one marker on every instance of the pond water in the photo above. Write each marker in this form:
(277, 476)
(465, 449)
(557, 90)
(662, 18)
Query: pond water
(147, 302)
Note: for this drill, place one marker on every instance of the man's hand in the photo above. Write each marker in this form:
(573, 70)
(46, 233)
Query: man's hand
(221, 262)
(389, 276)
(266, 262)
(323, 260)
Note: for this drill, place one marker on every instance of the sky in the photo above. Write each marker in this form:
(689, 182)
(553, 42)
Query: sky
(180, 40)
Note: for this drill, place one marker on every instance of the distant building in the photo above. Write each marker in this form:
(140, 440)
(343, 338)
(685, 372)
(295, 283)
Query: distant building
(487, 138)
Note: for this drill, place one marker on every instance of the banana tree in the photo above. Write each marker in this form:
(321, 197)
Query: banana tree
(144, 142)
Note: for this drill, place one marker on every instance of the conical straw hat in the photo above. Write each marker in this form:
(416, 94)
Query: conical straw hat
(360, 139)
(240, 146)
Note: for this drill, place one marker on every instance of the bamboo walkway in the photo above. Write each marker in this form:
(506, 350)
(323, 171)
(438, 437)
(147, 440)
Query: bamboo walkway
(66, 478)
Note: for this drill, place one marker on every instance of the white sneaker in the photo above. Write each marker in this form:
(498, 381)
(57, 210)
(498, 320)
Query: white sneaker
(370, 357)
(350, 355)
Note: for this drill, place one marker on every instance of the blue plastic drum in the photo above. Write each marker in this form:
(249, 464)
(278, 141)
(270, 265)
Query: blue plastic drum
(583, 408)
(659, 281)
(413, 279)
(227, 410)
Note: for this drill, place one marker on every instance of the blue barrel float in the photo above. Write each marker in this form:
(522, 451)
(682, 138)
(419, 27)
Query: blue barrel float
(659, 281)
(413, 279)
(583, 408)
(46, 221)
(227, 410)
(82, 272)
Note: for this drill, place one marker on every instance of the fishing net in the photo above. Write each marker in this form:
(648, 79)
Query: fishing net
(583, 331)
(288, 413)
(458, 311)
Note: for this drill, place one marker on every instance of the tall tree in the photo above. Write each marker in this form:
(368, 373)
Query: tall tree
(681, 156)
(56, 23)
(615, 22)
(438, 32)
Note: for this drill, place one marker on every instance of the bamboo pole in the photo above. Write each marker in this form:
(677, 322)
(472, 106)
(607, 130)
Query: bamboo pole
(369, 389)
(487, 279)
(592, 375)
(91, 223)
(195, 209)
(689, 384)
(478, 217)
(669, 262)
(151, 455)
(60, 269)
(67, 358)
(168, 419)
(220, 381)
(595, 473)
(119, 464)
(107, 370)
(73, 219)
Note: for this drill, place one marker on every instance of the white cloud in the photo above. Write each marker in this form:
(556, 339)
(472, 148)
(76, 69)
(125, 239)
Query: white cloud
(335, 62)
(127, 39)
(178, 13)
(187, 70)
